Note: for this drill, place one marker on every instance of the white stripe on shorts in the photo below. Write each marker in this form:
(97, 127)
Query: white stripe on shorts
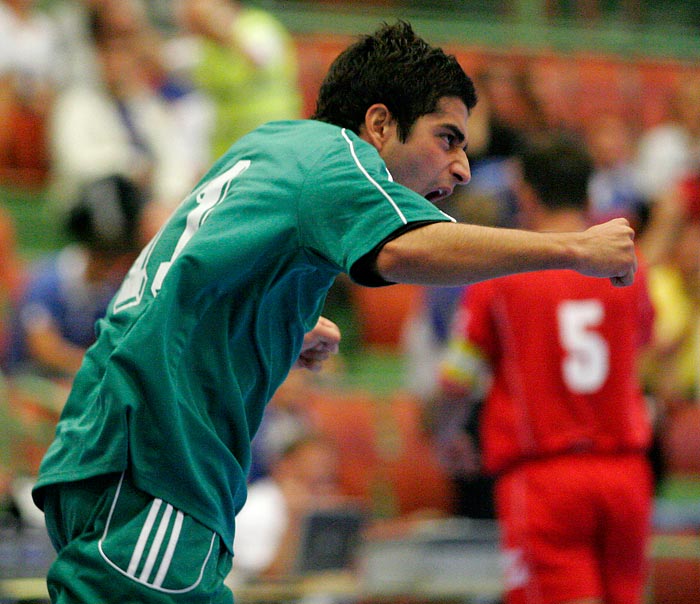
(170, 550)
(157, 542)
(156, 546)
(143, 537)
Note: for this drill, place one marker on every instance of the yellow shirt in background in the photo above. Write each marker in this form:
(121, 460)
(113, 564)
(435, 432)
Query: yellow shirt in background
(251, 81)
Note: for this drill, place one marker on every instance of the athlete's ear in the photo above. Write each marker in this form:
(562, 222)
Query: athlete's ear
(379, 125)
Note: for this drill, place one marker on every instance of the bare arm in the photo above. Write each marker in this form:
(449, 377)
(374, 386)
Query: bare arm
(50, 349)
(456, 254)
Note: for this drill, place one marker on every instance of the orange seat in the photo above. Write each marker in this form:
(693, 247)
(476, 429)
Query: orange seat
(382, 312)
(386, 459)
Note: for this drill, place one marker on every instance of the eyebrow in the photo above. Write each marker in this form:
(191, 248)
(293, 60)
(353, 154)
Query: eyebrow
(458, 134)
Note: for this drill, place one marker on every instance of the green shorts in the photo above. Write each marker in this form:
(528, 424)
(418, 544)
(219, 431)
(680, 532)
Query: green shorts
(117, 544)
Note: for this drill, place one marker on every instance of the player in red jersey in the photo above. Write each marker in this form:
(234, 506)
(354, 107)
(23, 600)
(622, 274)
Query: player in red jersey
(564, 428)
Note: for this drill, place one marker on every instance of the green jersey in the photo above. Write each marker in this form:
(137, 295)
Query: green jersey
(212, 315)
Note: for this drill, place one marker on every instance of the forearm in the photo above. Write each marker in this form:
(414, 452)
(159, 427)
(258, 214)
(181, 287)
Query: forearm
(457, 254)
(49, 349)
(462, 254)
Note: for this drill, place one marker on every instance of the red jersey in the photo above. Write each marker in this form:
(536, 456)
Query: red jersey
(690, 191)
(563, 351)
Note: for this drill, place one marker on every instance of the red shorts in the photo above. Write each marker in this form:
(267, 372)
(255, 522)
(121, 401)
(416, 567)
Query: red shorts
(576, 526)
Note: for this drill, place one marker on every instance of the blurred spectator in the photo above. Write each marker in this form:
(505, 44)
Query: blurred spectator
(12, 277)
(30, 71)
(286, 418)
(613, 190)
(512, 96)
(171, 74)
(72, 20)
(678, 204)
(165, 63)
(304, 477)
(121, 125)
(69, 291)
(489, 199)
(493, 143)
(247, 66)
(668, 155)
(667, 152)
(671, 366)
(565, 428)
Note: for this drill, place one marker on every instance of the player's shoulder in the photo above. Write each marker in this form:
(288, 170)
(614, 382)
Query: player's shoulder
(315, 142)
(313, 130)
(287, 136)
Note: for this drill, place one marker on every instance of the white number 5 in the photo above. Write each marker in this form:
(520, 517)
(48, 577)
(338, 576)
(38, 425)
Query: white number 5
(587, 362)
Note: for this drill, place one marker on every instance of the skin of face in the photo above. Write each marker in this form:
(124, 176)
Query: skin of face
(433, 158)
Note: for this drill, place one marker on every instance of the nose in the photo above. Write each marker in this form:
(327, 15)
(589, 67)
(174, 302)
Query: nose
(461, 171)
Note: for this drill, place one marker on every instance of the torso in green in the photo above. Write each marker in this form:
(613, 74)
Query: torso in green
(213, 313)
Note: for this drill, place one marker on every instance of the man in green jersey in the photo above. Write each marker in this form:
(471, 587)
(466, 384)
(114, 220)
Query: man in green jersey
(148, 468)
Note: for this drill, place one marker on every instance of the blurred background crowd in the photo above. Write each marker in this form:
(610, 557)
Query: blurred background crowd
(111, 110)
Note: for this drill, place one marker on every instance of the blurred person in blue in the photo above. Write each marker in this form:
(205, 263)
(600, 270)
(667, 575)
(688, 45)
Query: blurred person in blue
(490, 199)
(613, 189)
(68, 291)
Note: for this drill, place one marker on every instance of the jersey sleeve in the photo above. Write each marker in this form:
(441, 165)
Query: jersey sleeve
(350, 205)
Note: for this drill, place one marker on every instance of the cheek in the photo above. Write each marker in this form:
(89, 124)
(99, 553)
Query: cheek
(415, 167)
(421, 164)
(429, 169)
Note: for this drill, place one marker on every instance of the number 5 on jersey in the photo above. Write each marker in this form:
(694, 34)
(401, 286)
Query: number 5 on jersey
(587, 363)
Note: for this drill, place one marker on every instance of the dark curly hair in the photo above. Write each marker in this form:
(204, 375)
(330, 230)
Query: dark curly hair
(106, 214)
(395, 67)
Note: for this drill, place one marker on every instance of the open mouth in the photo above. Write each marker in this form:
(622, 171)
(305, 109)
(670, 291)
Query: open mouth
(437, 195)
